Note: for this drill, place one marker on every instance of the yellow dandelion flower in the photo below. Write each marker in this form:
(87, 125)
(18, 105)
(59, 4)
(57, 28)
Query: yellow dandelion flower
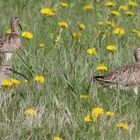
(87, 7)
(122, 126)
(63, 24)
(57, 138)
(96, 112)
(54, 10)
(118, 31)
(82, 26)
(64, 4)
(102, 67)
(123, 7)
(129, 13)
(26, 81)
(91, 51)
(39, 78)
(7, 83)
(101, 23)
(134, 31)
(41, 45)
(87, 118)
(132, 3)
(111, 24)
(109, 113)
(104, 32)
(138, 34)
(8, 31)
(15, 82)
(30, 112)
(110, 4)
(27, 35)
(115, 13)
(76, 35)
(47, 11)
(84, 97)
(111, 48)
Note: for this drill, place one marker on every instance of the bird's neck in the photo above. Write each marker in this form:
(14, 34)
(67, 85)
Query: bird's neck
(14, 27)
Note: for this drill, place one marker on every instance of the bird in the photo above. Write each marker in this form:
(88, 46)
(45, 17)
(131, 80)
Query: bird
(5, 70)
(125, 76)
(10, 42)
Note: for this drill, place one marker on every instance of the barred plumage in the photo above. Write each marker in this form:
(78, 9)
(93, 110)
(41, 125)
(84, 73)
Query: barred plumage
(10, 42)
(125, 76)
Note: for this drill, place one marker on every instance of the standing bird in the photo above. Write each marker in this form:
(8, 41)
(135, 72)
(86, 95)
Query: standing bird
(10, 42)
(125, 76)
(5, 70)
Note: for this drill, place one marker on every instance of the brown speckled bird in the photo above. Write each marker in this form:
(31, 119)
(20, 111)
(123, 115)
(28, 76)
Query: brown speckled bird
(5, 70)
(10, 42)
(125, 76)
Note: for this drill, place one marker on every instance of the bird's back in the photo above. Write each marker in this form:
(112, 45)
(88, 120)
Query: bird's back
(10, 42)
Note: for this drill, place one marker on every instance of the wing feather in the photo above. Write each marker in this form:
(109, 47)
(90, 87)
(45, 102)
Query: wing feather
(8, 40)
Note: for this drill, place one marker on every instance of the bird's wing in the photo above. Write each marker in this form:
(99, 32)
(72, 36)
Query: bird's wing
(2, 39)
(7, 38)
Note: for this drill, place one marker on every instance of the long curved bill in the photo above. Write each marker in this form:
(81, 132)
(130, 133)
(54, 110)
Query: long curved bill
(16, 72)
(20, 27)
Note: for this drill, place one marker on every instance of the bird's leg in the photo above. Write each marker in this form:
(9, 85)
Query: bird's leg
(1, 58)
(135, 90)
(7, 58)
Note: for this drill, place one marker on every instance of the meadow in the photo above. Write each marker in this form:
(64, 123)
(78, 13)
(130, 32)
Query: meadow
(66, 44)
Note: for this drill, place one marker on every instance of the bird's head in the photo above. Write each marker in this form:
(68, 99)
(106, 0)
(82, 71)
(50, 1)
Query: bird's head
(15, 23)
(5, 69)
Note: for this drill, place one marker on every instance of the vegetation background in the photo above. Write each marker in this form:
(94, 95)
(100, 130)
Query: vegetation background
(68, 70)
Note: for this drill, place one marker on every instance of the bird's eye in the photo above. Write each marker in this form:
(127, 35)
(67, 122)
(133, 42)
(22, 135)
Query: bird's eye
(16, 18)
(10, 69)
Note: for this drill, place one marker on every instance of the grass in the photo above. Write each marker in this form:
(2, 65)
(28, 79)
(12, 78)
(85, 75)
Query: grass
(68, 69)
